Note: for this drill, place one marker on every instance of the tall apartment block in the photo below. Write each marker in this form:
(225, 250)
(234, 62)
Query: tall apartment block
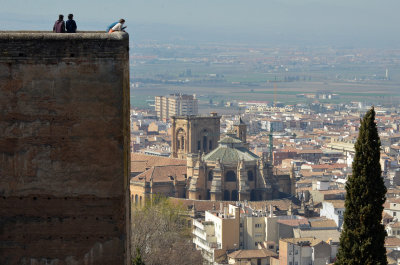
(176, 105)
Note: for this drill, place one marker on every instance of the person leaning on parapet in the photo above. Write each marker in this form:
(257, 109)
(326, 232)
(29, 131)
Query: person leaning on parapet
(59, 25)
(70, 25)
(116, 26)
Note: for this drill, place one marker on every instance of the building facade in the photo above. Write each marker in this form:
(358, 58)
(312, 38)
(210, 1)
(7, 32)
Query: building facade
(304, 251)
(175, 105)
(194, 134)
(231, 172)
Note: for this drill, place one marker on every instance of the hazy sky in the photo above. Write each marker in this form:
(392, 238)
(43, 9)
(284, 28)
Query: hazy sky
(369, 22)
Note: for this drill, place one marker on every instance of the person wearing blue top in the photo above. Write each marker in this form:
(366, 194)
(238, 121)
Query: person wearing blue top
(116, 26)
(71, 25)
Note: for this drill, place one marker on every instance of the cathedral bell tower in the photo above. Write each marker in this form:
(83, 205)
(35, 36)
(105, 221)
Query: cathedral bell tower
(194, 134)
(240, 129)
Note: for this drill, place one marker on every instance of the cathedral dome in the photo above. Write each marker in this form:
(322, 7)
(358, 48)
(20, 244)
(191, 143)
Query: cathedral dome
(231, 150)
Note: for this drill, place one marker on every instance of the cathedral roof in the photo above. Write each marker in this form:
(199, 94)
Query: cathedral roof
(165, 173)
(230, 151)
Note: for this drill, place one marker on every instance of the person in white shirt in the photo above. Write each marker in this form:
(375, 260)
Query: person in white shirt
(119, 26)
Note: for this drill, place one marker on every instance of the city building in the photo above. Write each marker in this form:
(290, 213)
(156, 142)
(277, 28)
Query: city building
(333, 209)
(194, 134)
(261, 231)
(217, 233)
(251, 257)
(393, 229)
(304, 251)
(175, 105)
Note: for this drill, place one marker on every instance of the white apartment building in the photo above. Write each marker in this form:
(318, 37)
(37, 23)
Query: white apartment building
(175, 105)
(236, 228)
(333, 209)
(217, 233)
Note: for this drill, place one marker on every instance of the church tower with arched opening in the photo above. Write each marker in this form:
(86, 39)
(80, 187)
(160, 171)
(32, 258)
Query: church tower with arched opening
(194, 134)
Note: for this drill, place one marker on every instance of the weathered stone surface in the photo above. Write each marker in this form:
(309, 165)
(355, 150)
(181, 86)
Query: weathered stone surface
(64, 106)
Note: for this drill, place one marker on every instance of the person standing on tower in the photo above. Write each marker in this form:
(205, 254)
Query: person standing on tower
(59, 25)
(71, 24)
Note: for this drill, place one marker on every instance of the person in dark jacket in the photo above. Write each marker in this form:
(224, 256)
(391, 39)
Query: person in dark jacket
(70, 24)
(59, 25)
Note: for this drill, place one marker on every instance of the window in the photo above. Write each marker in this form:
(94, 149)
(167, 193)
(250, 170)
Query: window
(394, 214)
(257, 225)
(210, 175)
(198, 145)
(296, 252)
(230, 176)
(210, 145)
(234, 196)
(250, 175)
(205, 143)
(226, 195)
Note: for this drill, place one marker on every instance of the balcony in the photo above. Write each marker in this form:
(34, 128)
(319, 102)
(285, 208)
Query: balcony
(207, 246)
(200, 233)
(198, 224)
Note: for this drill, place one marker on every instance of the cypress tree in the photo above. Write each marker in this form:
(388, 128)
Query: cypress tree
(138, 258)
(363, 236)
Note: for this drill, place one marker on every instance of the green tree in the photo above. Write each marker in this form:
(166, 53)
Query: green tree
(138, 258)
(363, 236)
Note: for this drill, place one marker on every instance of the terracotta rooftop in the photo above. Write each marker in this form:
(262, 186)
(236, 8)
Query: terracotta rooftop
(294, 222)
(395, 225)
(205, 205)
(322, 223)
(310, 151)
(252, 254)
(323, 234)
(162, 174)
(329, 166)
(392, 241)
(141, 162)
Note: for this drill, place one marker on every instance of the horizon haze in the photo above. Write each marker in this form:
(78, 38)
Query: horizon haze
(286, 22)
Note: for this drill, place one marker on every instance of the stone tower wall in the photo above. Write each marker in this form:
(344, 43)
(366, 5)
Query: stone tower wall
(64, 146)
